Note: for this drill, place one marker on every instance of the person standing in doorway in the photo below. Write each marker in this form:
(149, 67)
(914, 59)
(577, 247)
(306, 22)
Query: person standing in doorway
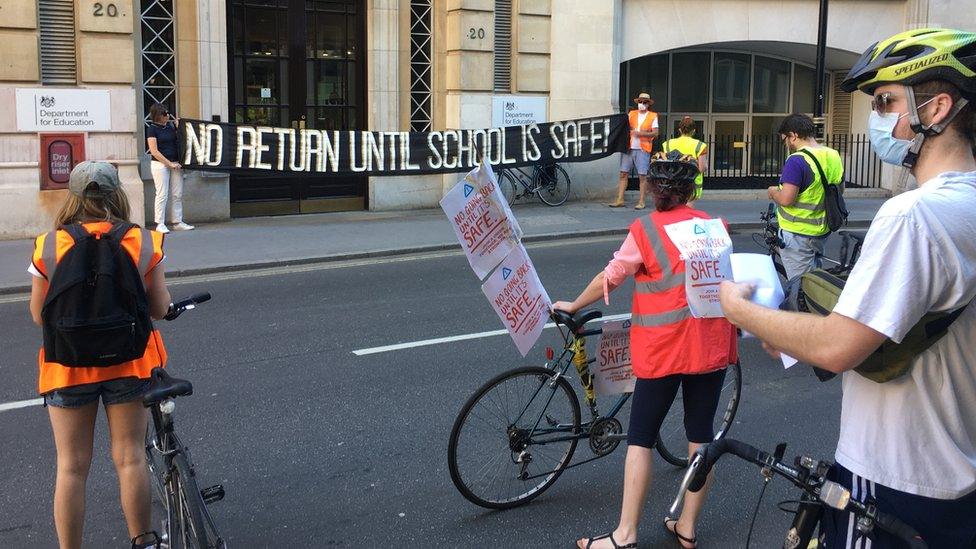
(687, 145)
(643, 130)
(167, 173)
(800, 195)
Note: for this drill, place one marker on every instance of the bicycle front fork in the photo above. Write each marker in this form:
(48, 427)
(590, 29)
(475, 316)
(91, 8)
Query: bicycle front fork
(807, 518)
(582, 364)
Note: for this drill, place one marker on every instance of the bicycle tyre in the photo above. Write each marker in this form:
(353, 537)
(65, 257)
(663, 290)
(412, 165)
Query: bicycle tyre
(191, 504)
(553, 190)
(542, 376)
(508, 186)
(679, 456)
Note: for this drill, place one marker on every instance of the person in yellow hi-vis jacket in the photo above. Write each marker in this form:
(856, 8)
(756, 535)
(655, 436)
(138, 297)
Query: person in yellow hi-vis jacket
(800, 195)
(687, 145)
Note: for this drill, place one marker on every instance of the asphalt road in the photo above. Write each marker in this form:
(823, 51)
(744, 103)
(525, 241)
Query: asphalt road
(318, 447)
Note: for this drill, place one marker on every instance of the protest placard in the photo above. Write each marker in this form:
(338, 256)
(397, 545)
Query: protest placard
(482, 220)
(516, 293)
(705, 246)
(613, 374)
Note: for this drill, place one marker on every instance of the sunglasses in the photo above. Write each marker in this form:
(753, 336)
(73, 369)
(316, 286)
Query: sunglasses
(881, 102)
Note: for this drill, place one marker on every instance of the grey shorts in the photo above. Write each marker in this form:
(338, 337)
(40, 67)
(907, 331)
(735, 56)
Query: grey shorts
(116, 391)
(635, 158)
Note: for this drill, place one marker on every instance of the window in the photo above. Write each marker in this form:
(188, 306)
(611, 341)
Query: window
(158, 55)
(420, 66)
(730, 82)
(648, 74)
(803, 91)
(771, 85)
(689, 83)
(57, 39)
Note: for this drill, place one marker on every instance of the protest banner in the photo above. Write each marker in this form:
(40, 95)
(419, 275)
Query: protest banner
(482, 220)
(222, 147)
(705, 246)
(613, 374)
(517, 296)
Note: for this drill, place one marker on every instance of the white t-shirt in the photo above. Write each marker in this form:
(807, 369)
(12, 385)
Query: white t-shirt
(641, 116)
(917, 433)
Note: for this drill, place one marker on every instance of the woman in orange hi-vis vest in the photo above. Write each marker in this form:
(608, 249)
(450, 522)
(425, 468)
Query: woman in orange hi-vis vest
(643, 130)
(669, 348)
(96, 202)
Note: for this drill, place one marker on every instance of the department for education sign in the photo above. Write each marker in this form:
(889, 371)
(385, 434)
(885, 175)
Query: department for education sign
(57, 110)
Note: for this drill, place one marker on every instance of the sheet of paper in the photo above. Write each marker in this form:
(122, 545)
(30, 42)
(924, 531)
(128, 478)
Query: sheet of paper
(482, 220)
(516, 293)
(613, 374)
(705, 246)
(758, 269)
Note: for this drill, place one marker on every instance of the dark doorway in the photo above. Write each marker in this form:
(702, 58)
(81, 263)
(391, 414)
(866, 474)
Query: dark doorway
(298, 63)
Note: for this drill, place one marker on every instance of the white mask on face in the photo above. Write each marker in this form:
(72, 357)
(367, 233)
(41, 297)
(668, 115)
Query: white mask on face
(890, 149)
(642, 107)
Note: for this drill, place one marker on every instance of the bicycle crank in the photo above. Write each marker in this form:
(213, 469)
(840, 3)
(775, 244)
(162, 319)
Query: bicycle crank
(605, 435)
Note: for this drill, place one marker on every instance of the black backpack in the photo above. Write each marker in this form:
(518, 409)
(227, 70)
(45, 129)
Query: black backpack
(834, 204)
(96, 312)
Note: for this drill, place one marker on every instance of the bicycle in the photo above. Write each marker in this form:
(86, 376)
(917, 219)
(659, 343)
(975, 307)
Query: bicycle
(187, 523)
(549, 181)
(524, 449)
(769, 240)
(808, 475)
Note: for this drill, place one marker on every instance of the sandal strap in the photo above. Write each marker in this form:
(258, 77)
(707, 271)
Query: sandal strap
(146, 544)
(609, 535)
(674, 531)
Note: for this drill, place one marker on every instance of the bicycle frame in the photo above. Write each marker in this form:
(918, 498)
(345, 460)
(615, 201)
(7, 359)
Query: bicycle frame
(523, 176)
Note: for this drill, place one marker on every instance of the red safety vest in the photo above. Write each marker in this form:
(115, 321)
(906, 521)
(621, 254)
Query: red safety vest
(664, 338)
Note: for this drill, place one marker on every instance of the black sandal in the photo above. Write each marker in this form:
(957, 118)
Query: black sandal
(677, 536)
(154, 544)
(608, 535)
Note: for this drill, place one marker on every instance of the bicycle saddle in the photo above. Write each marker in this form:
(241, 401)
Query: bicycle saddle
(575, 322)
(165, 386)
(856, 235)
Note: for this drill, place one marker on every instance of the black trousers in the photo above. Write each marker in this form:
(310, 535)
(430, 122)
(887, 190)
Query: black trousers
(654, 397)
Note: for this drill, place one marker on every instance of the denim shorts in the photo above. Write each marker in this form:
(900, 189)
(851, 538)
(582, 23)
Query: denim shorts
(635, 158)
(116, 391)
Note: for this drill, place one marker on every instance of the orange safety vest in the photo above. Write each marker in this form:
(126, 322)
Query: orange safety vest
(664, 338)
(145, 248)
(646, 143)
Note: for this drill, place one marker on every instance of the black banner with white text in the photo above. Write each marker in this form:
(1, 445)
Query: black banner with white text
(214, 146)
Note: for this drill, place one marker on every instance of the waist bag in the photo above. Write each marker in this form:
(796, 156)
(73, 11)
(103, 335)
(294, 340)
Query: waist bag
(818, 292)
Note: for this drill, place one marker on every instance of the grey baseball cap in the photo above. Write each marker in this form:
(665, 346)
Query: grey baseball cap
(93, 179)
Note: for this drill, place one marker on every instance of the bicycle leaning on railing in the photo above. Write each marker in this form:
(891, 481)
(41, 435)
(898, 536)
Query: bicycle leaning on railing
(818, 493)
(549, 181)
(517, 434)
(187, 523)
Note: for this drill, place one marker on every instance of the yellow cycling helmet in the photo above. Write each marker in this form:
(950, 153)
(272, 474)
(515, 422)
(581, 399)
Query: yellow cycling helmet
(916, 56)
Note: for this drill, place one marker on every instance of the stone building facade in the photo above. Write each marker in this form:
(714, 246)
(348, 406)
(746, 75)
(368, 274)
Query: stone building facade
(396, 65)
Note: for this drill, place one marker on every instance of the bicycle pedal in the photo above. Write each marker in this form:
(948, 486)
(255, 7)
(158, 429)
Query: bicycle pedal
(212, 494)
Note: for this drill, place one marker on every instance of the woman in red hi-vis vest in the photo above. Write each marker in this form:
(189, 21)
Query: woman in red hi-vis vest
(669, 348)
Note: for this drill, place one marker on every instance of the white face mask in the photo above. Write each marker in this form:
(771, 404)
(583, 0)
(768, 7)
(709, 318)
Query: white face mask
(642, 107)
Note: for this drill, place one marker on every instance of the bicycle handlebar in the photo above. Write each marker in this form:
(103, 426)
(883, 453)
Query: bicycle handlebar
(839, 497)
(183, 305)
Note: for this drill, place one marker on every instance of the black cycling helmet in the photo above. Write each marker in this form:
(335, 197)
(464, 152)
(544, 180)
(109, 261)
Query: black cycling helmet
(917, 56)
(673, 169)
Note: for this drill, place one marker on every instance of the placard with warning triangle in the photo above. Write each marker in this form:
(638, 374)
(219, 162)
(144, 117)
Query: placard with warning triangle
(516, 293)
(482, 220)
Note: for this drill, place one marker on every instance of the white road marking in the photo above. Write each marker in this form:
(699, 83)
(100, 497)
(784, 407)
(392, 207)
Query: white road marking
(21, 404)
(450, 339)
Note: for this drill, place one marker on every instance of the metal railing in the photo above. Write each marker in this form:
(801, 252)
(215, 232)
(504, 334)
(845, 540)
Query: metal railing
(756, 161)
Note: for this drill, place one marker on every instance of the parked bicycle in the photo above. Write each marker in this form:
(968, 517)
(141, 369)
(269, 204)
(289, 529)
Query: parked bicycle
(187, 523)
(517, 434)
(810, 476)
(549, 181)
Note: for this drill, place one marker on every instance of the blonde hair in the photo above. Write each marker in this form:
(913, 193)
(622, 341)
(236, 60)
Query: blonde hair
(83, 209)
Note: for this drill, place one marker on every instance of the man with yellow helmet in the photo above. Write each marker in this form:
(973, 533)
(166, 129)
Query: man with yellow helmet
(909, 444)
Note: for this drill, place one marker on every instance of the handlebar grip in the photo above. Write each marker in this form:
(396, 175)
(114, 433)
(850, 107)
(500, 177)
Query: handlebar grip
(714, 450)
(895, 526)
(199, 298)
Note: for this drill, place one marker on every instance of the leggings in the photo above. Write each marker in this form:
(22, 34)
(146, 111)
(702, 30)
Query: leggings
(653, 399)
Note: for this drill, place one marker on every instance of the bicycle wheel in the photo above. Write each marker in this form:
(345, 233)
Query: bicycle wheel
(672, 443)
(514, 437)
(193, 528)
(553, 185)
(508, 185)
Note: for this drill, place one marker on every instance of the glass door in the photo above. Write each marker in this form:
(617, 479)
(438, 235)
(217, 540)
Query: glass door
(728, 146)
(297, 63)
